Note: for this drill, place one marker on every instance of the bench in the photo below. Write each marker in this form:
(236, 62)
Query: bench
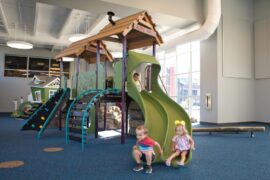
(235, 129)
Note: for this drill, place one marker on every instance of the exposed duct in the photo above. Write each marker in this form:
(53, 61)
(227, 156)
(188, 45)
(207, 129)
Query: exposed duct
(205, 31)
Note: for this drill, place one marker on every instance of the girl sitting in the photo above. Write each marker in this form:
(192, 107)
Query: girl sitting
(181, 144)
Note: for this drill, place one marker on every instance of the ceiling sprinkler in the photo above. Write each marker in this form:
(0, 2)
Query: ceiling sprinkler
(111, 14)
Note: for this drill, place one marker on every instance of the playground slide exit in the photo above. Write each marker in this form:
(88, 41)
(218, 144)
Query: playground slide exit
(160, 111)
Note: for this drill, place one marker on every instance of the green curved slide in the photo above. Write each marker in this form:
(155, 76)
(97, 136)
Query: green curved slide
(159, 110)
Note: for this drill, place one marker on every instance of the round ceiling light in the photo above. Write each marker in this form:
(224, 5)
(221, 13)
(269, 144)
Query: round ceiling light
(77, 37)
(19, 45)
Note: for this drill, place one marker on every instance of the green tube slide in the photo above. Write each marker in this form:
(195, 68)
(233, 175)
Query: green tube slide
(160, 111)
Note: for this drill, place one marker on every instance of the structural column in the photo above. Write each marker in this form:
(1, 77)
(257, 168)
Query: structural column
(77, 74)
(105, 105)
(61, 85)
(124, 78)
(97, 104)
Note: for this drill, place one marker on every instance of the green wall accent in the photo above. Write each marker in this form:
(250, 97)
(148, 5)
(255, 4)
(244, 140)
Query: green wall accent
(87, 80)
(117, 81)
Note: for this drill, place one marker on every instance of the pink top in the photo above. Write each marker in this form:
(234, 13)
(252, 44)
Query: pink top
(182, 143)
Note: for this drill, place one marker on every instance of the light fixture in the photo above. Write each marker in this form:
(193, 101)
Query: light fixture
(77, 37)
(19, 44)
(68, 59)
(117, 54)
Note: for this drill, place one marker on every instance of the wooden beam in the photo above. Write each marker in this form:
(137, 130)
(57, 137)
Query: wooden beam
(145, 30)
(146, 24)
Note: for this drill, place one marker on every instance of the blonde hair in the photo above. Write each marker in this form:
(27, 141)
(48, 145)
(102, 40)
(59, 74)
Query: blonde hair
(142, 127)
(185, 132)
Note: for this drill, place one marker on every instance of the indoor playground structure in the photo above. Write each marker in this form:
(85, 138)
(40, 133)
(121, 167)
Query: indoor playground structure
(159, 111)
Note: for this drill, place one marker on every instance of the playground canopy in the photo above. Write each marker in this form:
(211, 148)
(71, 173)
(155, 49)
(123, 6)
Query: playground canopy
(87, 52)
(138, 29)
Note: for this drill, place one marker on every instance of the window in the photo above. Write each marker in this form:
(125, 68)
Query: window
(181, 76)
(23, 66)
(15, 66)
(38, 95)
(55, 68)
(51, 93)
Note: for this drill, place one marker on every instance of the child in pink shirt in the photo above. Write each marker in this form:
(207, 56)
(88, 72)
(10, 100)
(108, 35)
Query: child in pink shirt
(181, 144)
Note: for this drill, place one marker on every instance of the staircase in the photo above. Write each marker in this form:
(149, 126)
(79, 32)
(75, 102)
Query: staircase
(78, 118)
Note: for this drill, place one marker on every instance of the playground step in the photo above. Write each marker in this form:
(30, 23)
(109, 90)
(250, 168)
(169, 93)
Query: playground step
(76, 122)
(76, 138)
(76, 130)
(77, 113)
(80, 106)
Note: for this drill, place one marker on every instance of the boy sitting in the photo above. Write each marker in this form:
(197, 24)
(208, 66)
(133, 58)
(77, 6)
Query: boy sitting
(143, 150)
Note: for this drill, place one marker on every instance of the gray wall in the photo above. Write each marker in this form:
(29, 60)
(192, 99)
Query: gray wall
(228, 63)
(13, 87)
(262, 59)
(235, 63)
(209, 78)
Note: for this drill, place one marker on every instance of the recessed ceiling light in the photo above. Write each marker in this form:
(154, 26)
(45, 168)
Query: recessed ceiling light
(19, 45)
(77, 37)
(68, 59)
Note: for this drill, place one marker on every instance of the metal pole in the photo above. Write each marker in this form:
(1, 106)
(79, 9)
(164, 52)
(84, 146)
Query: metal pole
(61, 73)
(97, 105)
(60, 119)
(124, 78)
(105, 105)
(77, 74)
(97, 62)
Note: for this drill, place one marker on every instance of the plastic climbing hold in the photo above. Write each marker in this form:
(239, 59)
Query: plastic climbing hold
(33, 126)
(40, 126)
(42, 118)
(46, 109)
(55, 102)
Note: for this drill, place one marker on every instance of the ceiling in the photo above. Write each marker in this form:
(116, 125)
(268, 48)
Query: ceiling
(50, 25)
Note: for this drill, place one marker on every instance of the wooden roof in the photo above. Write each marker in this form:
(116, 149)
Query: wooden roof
(138, 28)
(87, 52)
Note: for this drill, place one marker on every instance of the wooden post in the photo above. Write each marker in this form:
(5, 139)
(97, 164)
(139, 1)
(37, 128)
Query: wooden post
(124, 78)
(61, 72)
(105, 105)
(149, 72)
(97, 62)
(60, 119)
(154, 49)
(77, 74)
(61, 84)
(97, 104)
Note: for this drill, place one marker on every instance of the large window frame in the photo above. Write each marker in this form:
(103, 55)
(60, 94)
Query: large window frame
(173, 69)
(29, 73)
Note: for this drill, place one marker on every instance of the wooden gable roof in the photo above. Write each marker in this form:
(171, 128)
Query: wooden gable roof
(87, 52)
(139, 29)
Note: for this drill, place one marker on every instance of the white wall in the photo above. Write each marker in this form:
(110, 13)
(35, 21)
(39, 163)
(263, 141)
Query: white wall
(15, 87)
(209, 78)
(235, 78)
(262, 59)
(227, 66)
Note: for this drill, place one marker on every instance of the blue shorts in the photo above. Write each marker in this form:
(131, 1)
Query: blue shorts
(143, 157)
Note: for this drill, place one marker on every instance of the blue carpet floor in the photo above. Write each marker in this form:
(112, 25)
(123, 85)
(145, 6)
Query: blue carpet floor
(217, 157)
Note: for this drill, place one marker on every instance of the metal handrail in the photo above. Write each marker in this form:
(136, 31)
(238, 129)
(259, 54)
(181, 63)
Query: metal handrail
(72, 105)
(91, 102)
(163, 84)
